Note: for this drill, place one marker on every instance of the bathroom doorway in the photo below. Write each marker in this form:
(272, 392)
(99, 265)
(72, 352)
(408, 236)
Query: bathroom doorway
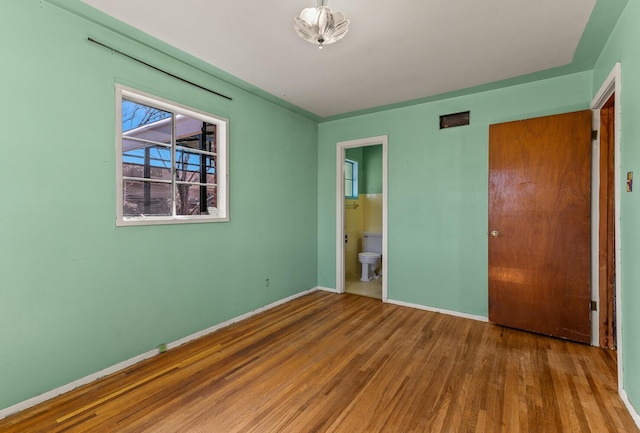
(361, 216)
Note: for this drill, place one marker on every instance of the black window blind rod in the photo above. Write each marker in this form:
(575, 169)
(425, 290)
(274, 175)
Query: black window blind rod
(158, 69)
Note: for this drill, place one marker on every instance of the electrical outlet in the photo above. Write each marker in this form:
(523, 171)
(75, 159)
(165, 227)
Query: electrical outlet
(266, 282)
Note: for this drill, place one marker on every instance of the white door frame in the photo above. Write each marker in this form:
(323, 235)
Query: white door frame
(610, 86)
(340, 155)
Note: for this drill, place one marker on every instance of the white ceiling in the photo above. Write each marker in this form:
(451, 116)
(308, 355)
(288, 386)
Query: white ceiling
(394, 51)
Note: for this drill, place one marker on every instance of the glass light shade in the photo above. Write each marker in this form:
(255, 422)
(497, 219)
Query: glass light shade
(321, 25)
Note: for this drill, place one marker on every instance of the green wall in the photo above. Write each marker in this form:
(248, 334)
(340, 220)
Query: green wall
(623, 46)
(437, 188)
(77, 294)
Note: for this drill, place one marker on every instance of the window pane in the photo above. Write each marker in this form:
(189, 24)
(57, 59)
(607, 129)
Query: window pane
(146, 198)
(142, 121)
(212, 178)
(348, 170)
(350, 178)
(190, 197)
(191, 166)
(145, 161)
(169, 161)
(212, 140)
(212, 197)
(348, 188)
(189, 134)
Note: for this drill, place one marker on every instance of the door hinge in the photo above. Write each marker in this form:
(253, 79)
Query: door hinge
(594, 305)
(594, 135)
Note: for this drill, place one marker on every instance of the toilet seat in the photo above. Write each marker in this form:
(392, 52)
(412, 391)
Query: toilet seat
(370, 257)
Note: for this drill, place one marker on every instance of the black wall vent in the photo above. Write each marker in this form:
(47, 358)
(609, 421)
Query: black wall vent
(455, 119)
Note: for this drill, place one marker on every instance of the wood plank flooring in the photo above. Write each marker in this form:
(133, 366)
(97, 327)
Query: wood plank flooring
(346, 363)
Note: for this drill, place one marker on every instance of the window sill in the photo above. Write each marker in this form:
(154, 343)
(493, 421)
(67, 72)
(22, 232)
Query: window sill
(155, 220)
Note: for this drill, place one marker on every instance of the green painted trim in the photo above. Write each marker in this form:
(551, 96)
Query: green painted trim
(522, 79)
(103, 20)
(604, 17)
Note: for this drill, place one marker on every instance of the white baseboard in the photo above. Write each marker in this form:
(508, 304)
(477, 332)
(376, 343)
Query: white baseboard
(26, 404)
(214, 328)
(131, 361)
(439, 310)
(632, 410)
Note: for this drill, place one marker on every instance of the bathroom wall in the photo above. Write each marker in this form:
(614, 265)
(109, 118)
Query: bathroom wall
(372, 189)
(372, 213)
(372, 178)
(353, 216)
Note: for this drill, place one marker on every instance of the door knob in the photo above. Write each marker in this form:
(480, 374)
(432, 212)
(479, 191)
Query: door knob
(495, 233)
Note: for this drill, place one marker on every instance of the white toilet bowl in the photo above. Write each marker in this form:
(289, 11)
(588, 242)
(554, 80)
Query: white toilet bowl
(370, 262)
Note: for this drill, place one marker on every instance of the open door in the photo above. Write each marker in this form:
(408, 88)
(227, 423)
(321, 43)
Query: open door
(540, 225)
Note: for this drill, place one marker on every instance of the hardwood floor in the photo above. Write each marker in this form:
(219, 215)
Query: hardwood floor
(345, 363)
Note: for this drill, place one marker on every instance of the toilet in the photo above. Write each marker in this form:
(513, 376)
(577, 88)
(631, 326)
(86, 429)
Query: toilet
(370, 256)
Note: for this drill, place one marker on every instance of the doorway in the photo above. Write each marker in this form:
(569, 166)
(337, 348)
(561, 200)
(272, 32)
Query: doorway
(606, 283)
(606, 227)
(346, 203)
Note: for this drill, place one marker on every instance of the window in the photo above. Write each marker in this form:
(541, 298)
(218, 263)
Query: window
(171, 162)
(350, 179)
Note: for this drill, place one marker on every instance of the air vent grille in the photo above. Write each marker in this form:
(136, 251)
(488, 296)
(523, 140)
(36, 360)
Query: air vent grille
(455, 119)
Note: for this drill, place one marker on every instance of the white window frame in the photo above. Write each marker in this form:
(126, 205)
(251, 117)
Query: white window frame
(354, 179)
(222, 160)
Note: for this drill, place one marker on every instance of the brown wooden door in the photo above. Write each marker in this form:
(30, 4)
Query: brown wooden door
(539, 225)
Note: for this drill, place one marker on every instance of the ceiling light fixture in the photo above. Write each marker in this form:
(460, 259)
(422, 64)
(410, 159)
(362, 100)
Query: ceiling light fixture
(320, 25)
